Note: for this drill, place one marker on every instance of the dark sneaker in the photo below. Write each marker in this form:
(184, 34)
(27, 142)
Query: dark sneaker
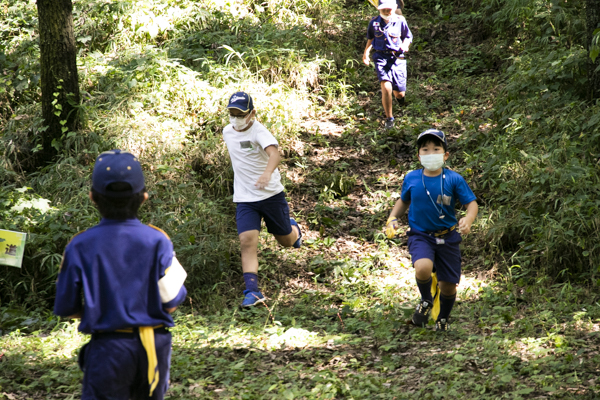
(389, 123)
(401, 101)
(298, 242)
(442, 325)
(421, 315)
(252, 298)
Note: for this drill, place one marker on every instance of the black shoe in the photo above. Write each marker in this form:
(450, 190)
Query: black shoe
(421, 315)
(442, 325)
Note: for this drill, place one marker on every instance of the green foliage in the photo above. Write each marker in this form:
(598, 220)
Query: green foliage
(525, 23)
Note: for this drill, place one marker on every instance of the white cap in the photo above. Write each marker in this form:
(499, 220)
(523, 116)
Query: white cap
(387, 4)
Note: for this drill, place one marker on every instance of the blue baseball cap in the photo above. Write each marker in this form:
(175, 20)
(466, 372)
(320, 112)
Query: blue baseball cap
(429, 133)
(117, 166)
(241, 101)
(387, 4)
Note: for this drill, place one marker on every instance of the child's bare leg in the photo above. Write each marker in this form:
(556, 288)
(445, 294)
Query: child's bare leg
(423, 268)
(447, 288)
(290, 239)
(399, 95)
(386, 98)
(249, 247)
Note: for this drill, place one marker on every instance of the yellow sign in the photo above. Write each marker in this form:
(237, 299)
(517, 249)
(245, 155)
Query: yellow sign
(12, 246)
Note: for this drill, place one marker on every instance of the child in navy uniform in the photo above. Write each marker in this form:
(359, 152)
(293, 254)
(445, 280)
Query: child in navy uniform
(122, 279)
(390, 37)
(435, 233)
(257, 189)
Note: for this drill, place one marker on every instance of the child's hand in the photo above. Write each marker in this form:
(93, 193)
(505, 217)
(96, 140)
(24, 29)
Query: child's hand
(464, 226)
(263, 181)
(366, 60)
(404, 47)
(391, 227)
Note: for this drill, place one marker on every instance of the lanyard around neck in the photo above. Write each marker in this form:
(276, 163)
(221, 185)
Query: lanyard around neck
(440, 210)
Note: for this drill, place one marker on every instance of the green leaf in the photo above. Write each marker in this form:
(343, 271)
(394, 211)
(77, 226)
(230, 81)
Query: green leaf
(525, 391)
(459, 357)
(57, 144)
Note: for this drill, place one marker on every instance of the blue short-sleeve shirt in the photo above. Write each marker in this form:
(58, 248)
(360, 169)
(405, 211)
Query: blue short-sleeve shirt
(388, 36)
(423, 215)
(114, 267)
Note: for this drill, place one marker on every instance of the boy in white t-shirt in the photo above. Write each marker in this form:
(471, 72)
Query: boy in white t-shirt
(257, 189)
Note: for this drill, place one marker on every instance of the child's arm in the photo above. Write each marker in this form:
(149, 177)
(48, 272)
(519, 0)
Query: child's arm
(399, 209)
(464, 225)
(392, 223)
(274, 159)
(367, 51)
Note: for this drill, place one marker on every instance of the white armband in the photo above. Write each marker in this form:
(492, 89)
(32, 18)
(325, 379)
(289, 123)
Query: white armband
(170, 284)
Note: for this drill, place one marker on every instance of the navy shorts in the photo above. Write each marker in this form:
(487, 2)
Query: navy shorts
(390, 68)
(274, 210)
(115, 366)
(446, 257)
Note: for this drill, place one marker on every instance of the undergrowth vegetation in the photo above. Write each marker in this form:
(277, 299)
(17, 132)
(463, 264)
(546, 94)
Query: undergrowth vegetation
(505, 79)
(155, 77)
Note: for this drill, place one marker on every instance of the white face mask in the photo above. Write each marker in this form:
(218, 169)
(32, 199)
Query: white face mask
(239, 123)
(432, 162)
(386, 18)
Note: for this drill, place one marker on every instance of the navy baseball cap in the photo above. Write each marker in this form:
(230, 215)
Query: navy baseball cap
(387, 4)
(241, 101)
(429, 133)
(117, 166)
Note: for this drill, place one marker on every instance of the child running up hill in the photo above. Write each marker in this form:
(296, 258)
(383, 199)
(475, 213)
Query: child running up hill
(257, 189)
(435, 233)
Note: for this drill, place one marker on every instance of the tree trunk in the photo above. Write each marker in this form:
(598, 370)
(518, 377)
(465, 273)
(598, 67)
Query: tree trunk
(592, 20)
(59, 79)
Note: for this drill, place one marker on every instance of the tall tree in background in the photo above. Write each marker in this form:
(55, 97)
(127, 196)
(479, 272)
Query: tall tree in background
(59, 79)
(592, 20)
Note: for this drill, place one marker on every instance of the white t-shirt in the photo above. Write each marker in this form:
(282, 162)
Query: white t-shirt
(249, 160)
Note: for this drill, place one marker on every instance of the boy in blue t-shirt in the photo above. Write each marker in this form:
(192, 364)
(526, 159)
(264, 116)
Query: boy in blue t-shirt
(388, 34)
(122, 279)
(435, 233)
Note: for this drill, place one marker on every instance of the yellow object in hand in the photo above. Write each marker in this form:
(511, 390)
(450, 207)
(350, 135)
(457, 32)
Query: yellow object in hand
(390, 228)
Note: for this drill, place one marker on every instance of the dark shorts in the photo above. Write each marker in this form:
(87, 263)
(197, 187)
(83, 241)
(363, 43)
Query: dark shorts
(392, 69)
(446, 257)
(274, 210)
(115, 366)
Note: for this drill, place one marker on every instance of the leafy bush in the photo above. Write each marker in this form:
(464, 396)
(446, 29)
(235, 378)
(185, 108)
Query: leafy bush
(155, 77)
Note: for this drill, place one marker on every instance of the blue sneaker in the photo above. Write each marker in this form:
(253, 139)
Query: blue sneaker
(252, 298)
(298, 242)
(389, 123)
